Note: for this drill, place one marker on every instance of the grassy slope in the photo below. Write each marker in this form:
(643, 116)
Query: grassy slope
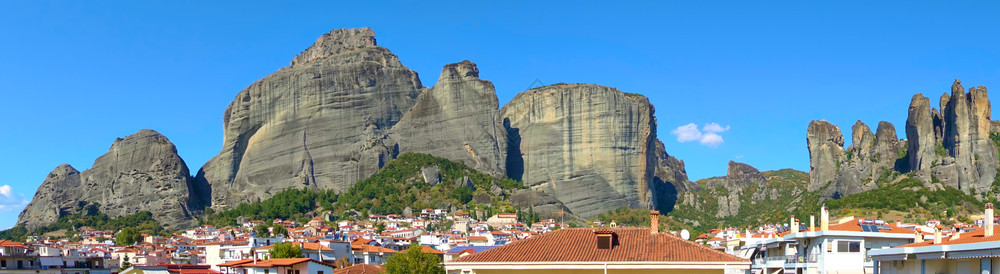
(899, 196)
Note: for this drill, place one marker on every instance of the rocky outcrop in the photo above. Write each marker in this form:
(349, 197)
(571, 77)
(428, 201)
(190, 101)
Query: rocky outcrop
(950, 147)
(739, 177)
(826, 152)
(920, 133)
(345, 106)
(322, 122)
(592, 147)
(458, 119)
(141, 172)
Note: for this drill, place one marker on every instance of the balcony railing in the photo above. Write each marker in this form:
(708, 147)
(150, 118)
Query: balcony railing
(789, 259)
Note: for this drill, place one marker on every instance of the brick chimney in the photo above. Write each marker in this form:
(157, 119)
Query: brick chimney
(654, 221)
(794, 225)
(812, 222)
(824, 219)
(988, 221)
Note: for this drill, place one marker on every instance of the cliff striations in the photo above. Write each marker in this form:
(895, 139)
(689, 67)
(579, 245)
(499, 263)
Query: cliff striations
(592, 147)
(458, 119)
(322, 122)
(141, 172)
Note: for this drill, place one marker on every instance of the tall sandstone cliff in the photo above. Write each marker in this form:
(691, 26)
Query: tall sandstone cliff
(141, 172)
(322, 122)
(946, 148)
(345, 106)
(458, 119)
(592, 147)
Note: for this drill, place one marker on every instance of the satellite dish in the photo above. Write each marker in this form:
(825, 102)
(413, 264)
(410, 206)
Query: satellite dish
(685, 234)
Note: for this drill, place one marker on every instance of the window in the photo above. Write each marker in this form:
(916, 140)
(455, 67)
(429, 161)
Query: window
(267, 271)
(319, 272)
(296, 272)
(3, 263)
(848, 246)
(244, 271)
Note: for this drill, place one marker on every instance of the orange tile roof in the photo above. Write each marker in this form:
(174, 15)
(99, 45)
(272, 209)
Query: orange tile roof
(304, 246)
(6, 243)
(360, 269)
(976, 236)
(279, 262)
(371, 248)
(427, 249)
(580, 244)
(235, 263)
(853, 225)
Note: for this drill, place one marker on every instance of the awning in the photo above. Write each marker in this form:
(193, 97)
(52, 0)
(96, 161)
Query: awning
(995, 252)
(894, 257)
(930, 256)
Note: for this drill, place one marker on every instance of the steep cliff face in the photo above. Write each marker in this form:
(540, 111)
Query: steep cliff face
(458, 119)
(141, 172)
(962, 155)
(946, 148)
(592, 147)
(321, 122)
(826, 151)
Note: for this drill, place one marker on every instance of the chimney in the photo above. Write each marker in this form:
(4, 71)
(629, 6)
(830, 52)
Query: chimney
(824, 219)
(794, 225)
(937, 236)
(654, 221)
(812, 222)
(917, 236)
(899, 223)
(988, 221)
(956, 235)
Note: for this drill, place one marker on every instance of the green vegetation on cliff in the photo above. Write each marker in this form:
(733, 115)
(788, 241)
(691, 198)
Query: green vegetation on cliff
(398, 185)
(899, 196)
(89, 216)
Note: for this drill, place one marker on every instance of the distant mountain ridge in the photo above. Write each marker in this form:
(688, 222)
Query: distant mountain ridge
(345, 107)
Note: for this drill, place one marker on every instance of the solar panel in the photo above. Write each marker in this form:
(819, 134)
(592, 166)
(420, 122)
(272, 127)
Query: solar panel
(883, 227)
(867, 228)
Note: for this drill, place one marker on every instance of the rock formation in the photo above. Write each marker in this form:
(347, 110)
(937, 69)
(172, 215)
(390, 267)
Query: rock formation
(322, 122)
(826, 151)
(592, 147)
(950, 147)
(739, 177)
(458, 119)
(345, 106)
(141, 172)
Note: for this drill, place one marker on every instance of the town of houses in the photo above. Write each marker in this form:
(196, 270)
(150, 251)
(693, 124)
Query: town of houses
(503, 244)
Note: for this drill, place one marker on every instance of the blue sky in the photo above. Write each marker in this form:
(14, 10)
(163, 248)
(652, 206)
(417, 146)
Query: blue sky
(749, 77)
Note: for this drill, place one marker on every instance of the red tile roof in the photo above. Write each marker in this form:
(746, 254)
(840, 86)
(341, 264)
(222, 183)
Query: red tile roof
(235, 263)
(6, 243)
(371, 248)
(853, 225)
(360, 269)
(580, 244)
(966, 238)
(427, 249)
(278, 262)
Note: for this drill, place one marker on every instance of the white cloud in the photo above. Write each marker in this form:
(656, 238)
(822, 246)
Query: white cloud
(714, 127)
(687, 133)
(711, 139)
(708, 135)
(9, 201)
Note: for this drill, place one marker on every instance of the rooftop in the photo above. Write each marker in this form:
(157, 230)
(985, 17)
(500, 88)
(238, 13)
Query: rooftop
(580, 244)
